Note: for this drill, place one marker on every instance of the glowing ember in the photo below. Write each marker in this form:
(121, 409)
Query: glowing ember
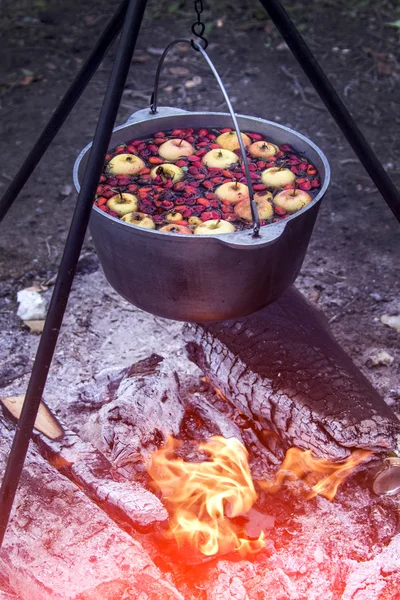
(202, 498)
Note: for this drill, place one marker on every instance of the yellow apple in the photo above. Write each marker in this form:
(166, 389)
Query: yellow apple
(232, 192)
(123, 204)
(229, 140)
(220, 159)
(263, 149)
(292, 200)
(175, 149)
(214, 226)
(167, 171)
(179, 229)
(139, 219)
(264, 207)
(125, 164)
(194, 221)
(275, 177)
(174, 216)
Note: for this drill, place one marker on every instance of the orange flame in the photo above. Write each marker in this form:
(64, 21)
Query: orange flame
(202, 497)
(320, 476)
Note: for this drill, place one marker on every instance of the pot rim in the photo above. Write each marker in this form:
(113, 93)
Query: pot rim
(279, 226)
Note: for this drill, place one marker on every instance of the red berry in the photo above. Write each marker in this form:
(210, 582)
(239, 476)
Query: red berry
(279, 155)
(159, 134)
(261, 164)
(225, 130)
(226, 173)
(202, 144)
(279, 210)
(158, 218)
(214, 146)
(159, 141)
(193, 158)
(300, 180)
(199, 209)
(155, 160)
(103, 178)
(108, 193)
(295, 170)
(210, 214)
(167, 204)
(152, 148)
(132, 187)
(177, 132)
(112, 213)
(252, 167)
(207, 184)
(311, 170)
(120, 149)
(200, 176)
(288, 186)
(203, 201)
(144, 171)
(99, 190)
(167, 184)
(189, 131)
(190, 139)
(187, 212)
(305, 186)
(286, 148)
(303, 166)
(178, 187)
(131, 148)
(193, 170)
(315, 183)
(101, 201)
(123, 179)
(181, 163)
(217, 180)
(211, 136)
(203, 132)
(103, 208)
(259, 187)
(190, 189)
(255, 136)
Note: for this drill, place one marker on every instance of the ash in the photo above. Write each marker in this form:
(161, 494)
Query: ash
(87, 522)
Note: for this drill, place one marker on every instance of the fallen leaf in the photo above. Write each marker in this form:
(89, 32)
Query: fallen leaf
(168, 89)
(45, 422)
(179, 71)
(391, 321)
(140, 58)
(191, 83)
(154, 51)
(28, 79)
(36, 326)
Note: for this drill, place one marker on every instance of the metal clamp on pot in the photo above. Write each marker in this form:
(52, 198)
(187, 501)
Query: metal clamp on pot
(207, 277)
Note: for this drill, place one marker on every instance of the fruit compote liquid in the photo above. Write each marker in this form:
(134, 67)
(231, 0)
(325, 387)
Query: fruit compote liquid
(192, 181)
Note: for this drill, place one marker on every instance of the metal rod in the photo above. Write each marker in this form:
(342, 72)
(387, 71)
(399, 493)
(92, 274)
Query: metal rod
(69, 259)
(62, 111)
(334, 104)
(153, 109)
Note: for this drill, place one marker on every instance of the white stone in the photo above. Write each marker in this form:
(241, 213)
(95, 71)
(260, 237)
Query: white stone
(32, 305)
(392, 321)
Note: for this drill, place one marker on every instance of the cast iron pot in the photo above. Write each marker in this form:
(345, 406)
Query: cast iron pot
(203, 278)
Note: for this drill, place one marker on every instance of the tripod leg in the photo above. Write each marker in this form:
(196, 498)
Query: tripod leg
(63, 109)
(334, 104)
(69, 259)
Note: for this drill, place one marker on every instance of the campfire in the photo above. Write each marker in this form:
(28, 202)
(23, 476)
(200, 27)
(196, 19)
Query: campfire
(203, 498)
(242, 472)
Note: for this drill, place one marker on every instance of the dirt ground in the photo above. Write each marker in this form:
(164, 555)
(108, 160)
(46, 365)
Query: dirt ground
(351, 268)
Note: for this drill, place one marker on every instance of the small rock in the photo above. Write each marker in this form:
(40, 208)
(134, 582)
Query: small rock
(66, 190)
(376, 297)
(32, 306)
(392, 321)
(179, 71)
(155, 51)
(380, 358)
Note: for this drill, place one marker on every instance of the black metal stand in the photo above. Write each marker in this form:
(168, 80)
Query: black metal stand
(44, 355)
(130, 13)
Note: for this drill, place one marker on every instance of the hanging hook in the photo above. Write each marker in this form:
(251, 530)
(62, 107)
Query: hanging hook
(198, 27)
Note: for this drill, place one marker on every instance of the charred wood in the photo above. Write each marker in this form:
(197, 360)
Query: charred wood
(282, 367)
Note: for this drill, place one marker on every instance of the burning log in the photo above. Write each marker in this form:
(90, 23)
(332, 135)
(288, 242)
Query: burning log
(282, 367)
(59, 544)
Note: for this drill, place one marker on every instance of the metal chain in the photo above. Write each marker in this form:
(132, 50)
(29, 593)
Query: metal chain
(198, 26)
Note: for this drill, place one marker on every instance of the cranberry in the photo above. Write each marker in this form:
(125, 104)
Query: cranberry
(279, 155)
(112, 181)
(204, 202)
(286, 148)
(214, 203)
(159, 141)
(103, 179)
(305, 186)
(159, 134)
(123, 179)
(202, 144)
(99, 190)
(279, 210)
(181, 163)
(315, 183)
(112, 213)
(303, 166)
(225, 130)
(193, 170)
(101, 201)
(203, 132)
(177, 132)
(259, 187)
(187, 212)
(255, 136)
(207, 184)
(152, 148)
(311, 170)
(167, 204)
(190, 139)
(155, 160)
(199, 209)
(158, 218)
(217, 180)
(200, 176)
(212, 136)
(261, 164)
(210, 214)
(214, 146)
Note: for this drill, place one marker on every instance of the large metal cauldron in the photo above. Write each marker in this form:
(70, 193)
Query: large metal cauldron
(203, 278)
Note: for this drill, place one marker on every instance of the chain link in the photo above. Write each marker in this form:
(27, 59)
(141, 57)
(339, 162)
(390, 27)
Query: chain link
(198, 26)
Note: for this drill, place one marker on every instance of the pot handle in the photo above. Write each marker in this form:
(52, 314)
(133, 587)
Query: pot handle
(145, 115)
(153, 110)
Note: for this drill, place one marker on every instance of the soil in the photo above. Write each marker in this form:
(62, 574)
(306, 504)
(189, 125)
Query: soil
(351, 268)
